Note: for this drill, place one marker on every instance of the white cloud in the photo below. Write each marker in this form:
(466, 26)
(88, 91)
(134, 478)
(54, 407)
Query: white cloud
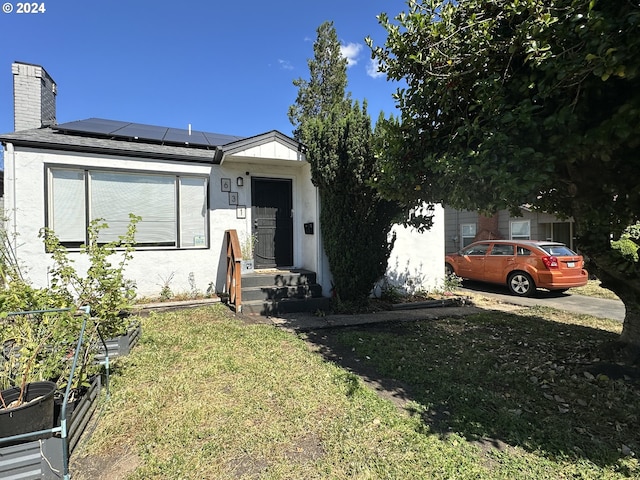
(350, 51)
(285, 64)
(373, 68)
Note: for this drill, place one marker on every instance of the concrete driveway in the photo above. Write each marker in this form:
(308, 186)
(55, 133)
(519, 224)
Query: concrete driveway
(598, 307)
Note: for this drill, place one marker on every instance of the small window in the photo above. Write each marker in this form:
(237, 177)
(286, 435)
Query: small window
(499, 249)
(521, 230)
(467, 233)
(558, 250)
(523, 252)
(480, 249)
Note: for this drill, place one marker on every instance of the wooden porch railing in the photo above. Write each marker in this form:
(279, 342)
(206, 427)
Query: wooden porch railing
(234, 269)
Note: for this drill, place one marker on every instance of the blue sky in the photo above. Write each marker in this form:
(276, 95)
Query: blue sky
(224, 67)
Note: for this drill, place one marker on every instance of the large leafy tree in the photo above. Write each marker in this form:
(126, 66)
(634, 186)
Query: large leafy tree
(524, 102)
(355, 221)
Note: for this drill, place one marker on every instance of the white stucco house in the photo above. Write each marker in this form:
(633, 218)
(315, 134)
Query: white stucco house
(189, 187)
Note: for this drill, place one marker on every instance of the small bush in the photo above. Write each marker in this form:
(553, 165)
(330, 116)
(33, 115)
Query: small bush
(627, 248)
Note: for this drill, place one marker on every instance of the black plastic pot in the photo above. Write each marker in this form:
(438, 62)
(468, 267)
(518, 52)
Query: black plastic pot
(33, 415)
(57, 410)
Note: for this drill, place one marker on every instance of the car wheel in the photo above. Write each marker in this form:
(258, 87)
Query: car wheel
(448, 269)
(521, 284)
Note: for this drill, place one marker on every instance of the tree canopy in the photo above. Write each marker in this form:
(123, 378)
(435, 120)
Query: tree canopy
(523, 102)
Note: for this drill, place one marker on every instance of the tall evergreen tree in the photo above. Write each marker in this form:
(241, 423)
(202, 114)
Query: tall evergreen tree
(327, 84)
(355, 221)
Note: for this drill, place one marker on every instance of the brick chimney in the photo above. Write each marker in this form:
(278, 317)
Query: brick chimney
(34, 97)
(488, 228)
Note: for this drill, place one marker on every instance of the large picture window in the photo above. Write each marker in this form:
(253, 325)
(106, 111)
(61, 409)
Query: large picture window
(173, 208)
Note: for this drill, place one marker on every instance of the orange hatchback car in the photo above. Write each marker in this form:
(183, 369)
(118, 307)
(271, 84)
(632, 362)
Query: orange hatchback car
(522, 265)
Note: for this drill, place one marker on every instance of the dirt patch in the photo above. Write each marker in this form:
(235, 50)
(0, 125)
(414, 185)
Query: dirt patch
(307, 448)
(116, 466)
(248, 466)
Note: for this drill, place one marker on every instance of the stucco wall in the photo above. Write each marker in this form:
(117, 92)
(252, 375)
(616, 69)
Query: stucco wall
(417, 259)
(152, 268)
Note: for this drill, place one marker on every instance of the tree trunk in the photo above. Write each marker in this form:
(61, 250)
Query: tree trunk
(621, 277)
(631, 328)
(617, 273)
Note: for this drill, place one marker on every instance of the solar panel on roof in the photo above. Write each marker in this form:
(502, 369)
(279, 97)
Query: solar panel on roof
(139, 131)
(220, 139)
(93, 125)
(147, 132)
(178, 135)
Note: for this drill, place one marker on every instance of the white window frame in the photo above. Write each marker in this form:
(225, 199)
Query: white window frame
(519, 234)
(175, 206)
(467, 237)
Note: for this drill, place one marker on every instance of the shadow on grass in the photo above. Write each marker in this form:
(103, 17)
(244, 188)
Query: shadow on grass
(498, 378)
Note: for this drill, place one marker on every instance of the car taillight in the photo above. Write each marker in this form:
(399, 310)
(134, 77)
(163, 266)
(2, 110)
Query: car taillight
(550, 262)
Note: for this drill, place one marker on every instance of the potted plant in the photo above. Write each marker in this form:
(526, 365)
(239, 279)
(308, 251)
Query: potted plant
(29, 352)
(42, 344)
(38, 343)
(36, 346)
(27, 409)
(247, 248)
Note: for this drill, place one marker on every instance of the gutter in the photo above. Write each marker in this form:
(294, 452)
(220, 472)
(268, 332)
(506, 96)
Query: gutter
(11, 153)
(218, 157)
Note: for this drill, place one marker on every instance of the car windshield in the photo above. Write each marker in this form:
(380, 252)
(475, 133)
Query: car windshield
(558, 250)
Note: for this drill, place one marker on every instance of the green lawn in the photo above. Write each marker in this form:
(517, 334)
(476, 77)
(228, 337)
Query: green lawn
(491, 396)
(593, 289)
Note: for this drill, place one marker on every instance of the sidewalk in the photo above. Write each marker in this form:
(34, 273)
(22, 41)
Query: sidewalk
(475, 302)
(570, 302)
(304, 322)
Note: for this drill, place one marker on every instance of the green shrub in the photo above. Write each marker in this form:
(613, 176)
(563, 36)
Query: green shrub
(39, 346)
(104, 288)
(627, 246)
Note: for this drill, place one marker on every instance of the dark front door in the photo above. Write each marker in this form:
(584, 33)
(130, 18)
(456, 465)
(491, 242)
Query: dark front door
(271, 211)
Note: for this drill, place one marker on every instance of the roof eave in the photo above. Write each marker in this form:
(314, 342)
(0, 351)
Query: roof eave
(214, 159)
(232, 148)
(245, 143)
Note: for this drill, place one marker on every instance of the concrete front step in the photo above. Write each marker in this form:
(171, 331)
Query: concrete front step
(278, 293)
(278, 278)
(273, 291)
(287, 305)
